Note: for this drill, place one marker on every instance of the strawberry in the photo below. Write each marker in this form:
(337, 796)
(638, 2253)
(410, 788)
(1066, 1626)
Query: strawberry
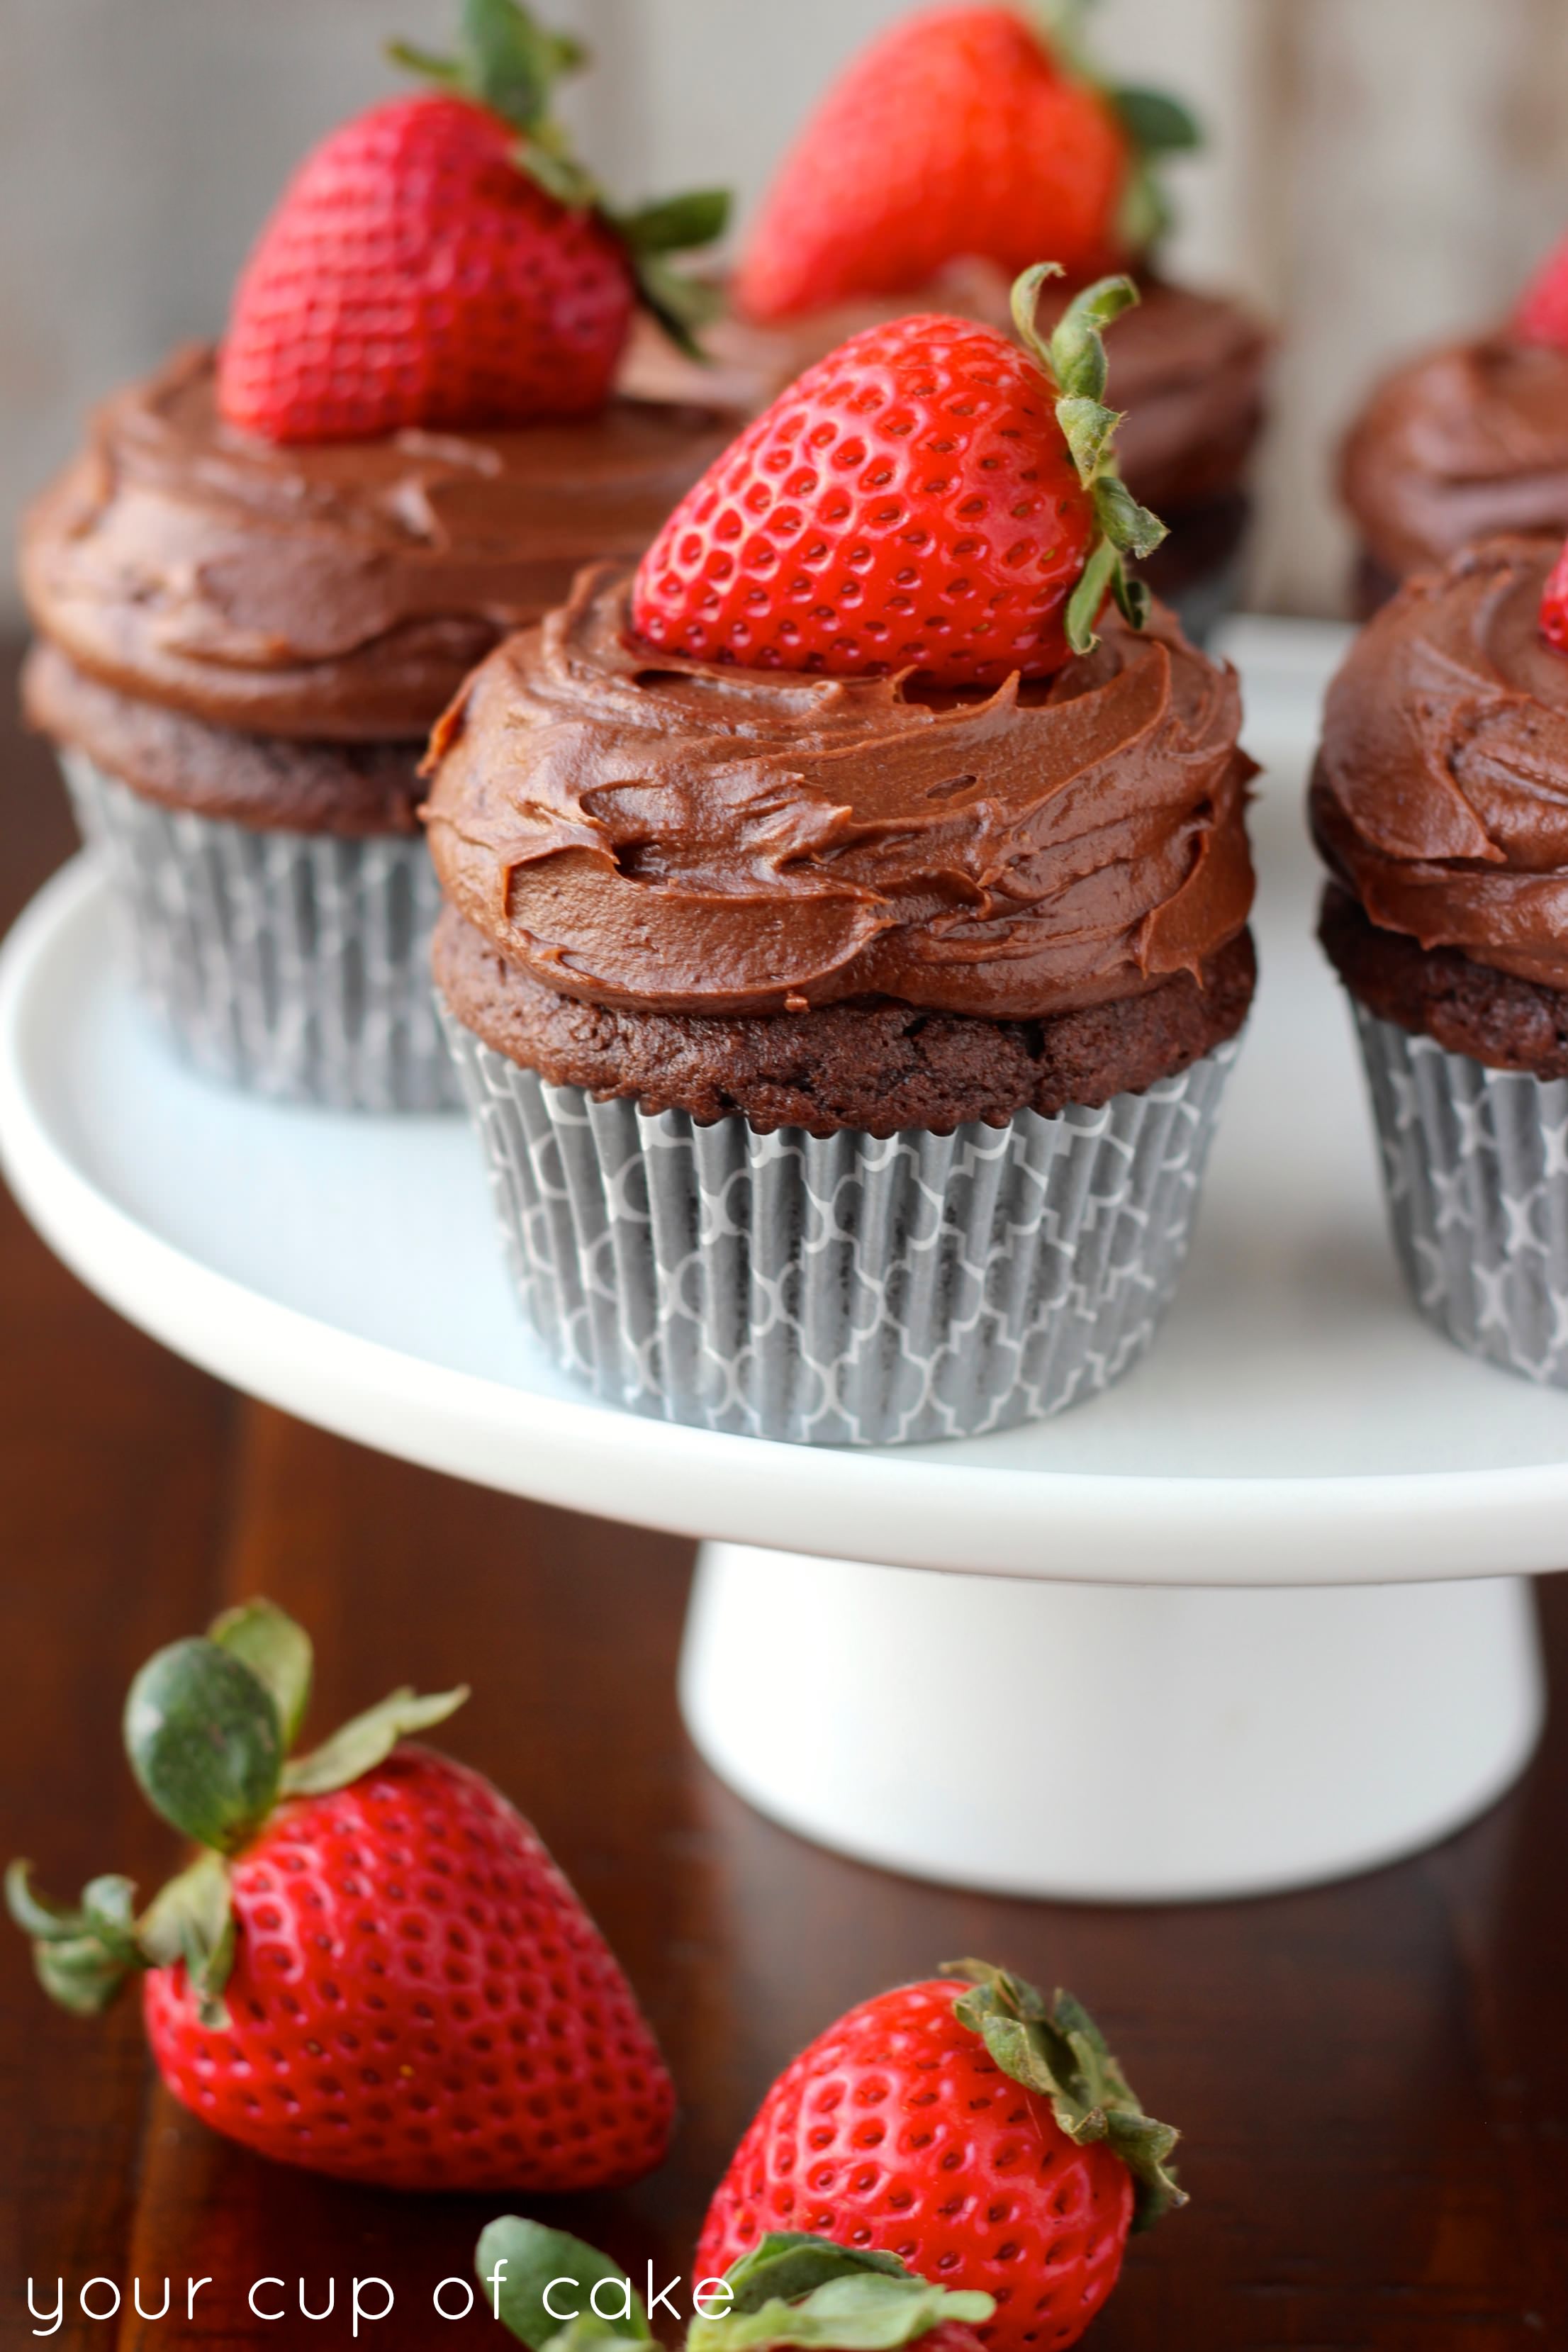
(441, 260)
(1554, 605)
(373, 1968)
(959, 133)
(1542, 314)
(553, 2291)
(931, 496)
(985, 2135)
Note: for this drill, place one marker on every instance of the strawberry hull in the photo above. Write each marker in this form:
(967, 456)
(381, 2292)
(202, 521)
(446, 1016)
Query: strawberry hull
(841, 1289)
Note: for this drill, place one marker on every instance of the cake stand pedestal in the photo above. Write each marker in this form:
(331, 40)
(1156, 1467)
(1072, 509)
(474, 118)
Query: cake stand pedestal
(1252, 1619)
(1105, 1743)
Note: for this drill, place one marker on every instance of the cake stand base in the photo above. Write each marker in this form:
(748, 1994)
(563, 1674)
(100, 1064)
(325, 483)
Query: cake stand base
(1107, 1743)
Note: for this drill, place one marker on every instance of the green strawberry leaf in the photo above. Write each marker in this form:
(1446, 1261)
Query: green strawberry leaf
(518, 2261)
(278, 1654)
(204, 1741)
(511, 63)
(1076, 348)
(81, 1957)
(860, 2310)
(1056, 2049)
(505, 61)
(558, 173)
(192, 1919)
(365, 1740)
(1131, 529)
(677, 223)
(1158, 123)
(1133, 600)
(1087, 597)
(1089, 427)
(786, 2264)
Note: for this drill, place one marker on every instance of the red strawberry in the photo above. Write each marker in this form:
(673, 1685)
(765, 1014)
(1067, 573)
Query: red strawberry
(984, 2136)
(929, 498)
(1541, 315)
(374, 1969)
(1554, 605)
(957, 134)
(440, 261)
(789, 2289)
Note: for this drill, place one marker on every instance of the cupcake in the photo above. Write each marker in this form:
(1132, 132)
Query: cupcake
(845, 946)
(274, 564)
(1440, 805)
(1462, 443)
(952, 151)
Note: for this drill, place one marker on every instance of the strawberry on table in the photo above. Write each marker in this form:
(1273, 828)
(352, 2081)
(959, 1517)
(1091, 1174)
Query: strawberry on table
(443, 261)
(983, 2134)
(373, 1968)
(931, 496)
(789, 2289)
(961, 132)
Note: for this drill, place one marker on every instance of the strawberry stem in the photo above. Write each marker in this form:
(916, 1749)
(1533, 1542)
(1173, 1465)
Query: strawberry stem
(509, 63)
(1075, 360)
(1055, 2048)
(1155, 124)
(208, 1726)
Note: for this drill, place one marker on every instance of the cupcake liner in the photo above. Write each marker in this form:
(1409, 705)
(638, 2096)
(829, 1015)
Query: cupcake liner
(293, 964)
(1476, 1168)
(841, 1290)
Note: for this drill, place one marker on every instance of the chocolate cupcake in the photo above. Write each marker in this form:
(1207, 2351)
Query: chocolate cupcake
(846, 1032)
(1439, 806)
(257, 588)
(1462, 443)
(955, 149)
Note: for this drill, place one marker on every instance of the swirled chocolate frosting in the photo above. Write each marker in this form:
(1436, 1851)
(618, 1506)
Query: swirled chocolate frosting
(1441, 794)
(339, 592)
(640, 830)
(1457, 445)
(1187, 368)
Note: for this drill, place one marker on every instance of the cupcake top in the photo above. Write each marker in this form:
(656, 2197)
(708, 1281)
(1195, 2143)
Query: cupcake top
(1187, 368)
(335, 590)
(1441, 794)
(1457, 444)
(645, 828)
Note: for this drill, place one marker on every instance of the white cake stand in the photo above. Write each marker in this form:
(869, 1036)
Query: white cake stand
(1256, 1618)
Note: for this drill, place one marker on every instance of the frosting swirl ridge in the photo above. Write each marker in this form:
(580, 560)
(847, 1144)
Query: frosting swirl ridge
(636, 829)
(339, 591)
(1441, 792)
(1459, 444)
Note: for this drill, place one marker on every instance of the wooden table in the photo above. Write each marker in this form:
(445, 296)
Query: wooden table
(1373, 2079)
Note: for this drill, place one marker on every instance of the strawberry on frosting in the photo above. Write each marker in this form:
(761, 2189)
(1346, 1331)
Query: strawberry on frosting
(933, 497)
(443, 261)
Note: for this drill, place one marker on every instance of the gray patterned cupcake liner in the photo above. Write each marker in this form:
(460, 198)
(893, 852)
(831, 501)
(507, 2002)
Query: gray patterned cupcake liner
(841, 1290)
(1476, 1168)
(293, 964)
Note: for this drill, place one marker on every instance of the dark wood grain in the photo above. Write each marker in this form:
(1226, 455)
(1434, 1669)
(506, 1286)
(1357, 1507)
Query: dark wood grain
(1373, 2078)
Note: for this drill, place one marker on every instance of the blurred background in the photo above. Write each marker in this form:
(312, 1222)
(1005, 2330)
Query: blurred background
(1380, 172)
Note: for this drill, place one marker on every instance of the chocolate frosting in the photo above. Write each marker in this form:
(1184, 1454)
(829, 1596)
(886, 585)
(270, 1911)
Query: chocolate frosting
(1457, 445)
(1441, 794)
(333, 593)
(1188, 369)
(637, 829)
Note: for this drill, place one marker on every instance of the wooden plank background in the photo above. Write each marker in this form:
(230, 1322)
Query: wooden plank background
(1381, 170)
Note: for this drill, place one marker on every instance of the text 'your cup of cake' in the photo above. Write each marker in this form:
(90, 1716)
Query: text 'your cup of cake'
(275, 563)
(846, 942)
